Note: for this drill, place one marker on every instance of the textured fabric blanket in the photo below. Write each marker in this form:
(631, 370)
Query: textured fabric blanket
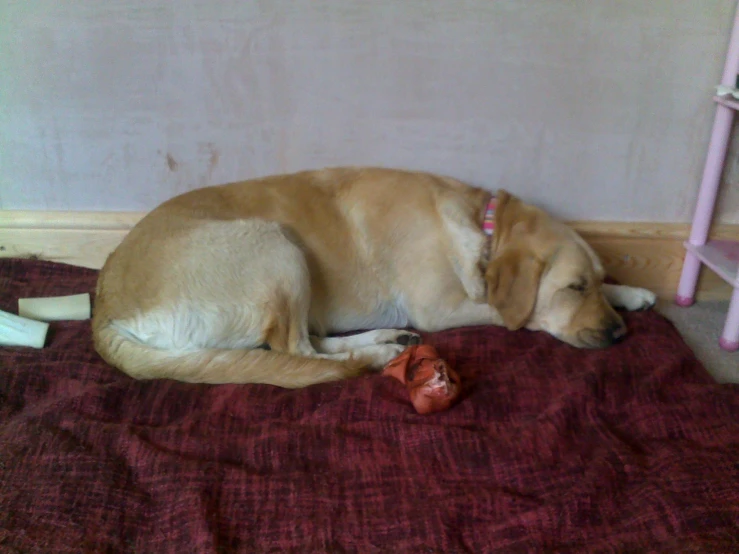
(550, 449)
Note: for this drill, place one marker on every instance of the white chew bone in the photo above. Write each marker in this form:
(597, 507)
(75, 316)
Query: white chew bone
(56, 308)
(19, 331)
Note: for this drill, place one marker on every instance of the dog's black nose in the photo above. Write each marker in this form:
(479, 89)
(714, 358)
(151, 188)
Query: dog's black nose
(616, 332)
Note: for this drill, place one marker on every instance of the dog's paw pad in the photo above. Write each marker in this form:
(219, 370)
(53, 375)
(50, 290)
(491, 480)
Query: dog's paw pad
(408, 339)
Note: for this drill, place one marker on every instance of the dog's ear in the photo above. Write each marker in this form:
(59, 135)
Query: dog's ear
(513, 284)
(514, 273)
(512, 218)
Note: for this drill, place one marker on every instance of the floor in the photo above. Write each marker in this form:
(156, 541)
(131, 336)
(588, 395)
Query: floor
(701, 326)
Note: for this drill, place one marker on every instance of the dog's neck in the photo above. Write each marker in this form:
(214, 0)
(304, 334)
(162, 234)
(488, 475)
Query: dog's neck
(488, 227)
(488, 220)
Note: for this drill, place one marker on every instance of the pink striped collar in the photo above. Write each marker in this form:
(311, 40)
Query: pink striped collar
(488, 223)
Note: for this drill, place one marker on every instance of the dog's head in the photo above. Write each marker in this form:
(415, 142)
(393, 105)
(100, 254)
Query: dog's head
(543, 276)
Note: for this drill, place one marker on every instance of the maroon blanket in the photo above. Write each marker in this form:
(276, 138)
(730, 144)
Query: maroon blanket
(629, 449)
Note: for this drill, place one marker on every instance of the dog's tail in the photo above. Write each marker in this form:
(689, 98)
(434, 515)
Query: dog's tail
(216, 365)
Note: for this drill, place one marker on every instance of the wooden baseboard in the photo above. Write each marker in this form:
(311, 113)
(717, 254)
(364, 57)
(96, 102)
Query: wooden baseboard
(77, 238)
(649, 255)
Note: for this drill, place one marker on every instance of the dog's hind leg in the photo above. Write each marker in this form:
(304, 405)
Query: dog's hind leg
(351, 343)
(288, 332)
(373, 350)
(285, 319)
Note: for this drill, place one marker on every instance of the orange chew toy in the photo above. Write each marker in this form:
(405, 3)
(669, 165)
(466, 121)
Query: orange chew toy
(431, 383)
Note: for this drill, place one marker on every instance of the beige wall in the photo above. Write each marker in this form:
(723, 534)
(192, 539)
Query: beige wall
(598, 109)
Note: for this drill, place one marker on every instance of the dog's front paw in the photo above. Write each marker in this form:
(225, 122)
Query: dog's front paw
(641, 299)
(631, 298)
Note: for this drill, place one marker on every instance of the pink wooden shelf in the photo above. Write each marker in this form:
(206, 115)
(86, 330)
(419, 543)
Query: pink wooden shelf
(722, 256)
(728, 101)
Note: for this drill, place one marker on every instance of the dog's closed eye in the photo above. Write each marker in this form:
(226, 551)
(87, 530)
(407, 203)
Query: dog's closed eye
(579, 286)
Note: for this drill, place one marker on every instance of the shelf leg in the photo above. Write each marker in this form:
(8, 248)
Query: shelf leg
(706, 202)
(730, 336)
(712, 171)
(688, 280)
